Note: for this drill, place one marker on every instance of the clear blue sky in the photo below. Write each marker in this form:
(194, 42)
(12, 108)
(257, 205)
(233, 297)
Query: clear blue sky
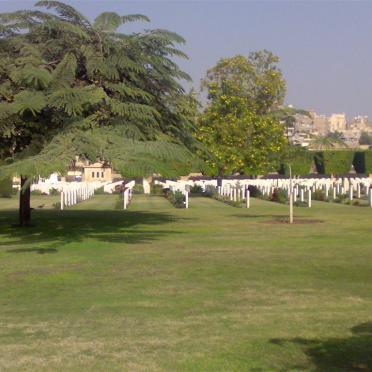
(325, 48)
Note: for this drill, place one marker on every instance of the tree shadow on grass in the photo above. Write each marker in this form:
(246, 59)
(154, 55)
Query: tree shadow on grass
(33, 250)
(271, 216)
(353, 353)
(59, 228)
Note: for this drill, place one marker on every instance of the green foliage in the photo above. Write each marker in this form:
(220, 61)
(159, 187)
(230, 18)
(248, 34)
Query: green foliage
(318, 195)
(31, 76)
(69, 87)
(368, 161)
(138, 188)
(6, 188)
(278, 196)
(365, 139)
(299, 159)
(235, 128)
(110, 21)
(28, 101)
(254, 191)
(53, 192)
(177, 198)
(243, 142)
(196, 189)
(256, 79)
(328, 142)
(335, 162)
(342, 199)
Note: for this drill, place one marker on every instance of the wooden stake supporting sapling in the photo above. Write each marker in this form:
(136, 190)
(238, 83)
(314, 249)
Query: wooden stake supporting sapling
(290, 196)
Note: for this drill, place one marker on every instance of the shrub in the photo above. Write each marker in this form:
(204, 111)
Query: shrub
(138, 188)
(179, 199)
(196, 189)
(53, 192)
(318, 195)
(279, 196)
(176, 198)
(254, 191)
(6, 188)
(342, 198)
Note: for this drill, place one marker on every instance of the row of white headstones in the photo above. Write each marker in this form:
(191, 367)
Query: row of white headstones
(72, 193)
(301, 189)
(75, 193)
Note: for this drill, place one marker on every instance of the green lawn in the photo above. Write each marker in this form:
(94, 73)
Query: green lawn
(210, 288)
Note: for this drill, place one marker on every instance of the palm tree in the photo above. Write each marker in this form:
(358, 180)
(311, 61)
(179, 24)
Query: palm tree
(328, 142)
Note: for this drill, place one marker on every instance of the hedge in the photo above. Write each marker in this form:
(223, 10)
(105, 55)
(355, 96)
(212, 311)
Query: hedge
(363, 162)
(334, 162)
(368, 161)
(359, 162)
(300, 160)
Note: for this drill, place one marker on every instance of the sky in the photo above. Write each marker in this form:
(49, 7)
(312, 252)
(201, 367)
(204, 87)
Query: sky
(325, 47)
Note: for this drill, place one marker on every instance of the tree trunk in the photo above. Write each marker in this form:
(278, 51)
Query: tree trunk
(24, 203)
(221, 172)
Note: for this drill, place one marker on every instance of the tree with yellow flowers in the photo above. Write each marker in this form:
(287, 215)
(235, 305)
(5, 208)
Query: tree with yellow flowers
(237, 127)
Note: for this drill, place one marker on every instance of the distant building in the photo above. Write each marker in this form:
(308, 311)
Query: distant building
(360, 123)
(351, 137)
(320, 123)
(83, 170)
(98, 172)
(304, 128)
(299, 131)
(337, 122)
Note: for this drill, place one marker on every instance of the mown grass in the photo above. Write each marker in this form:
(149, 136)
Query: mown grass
(209, 288)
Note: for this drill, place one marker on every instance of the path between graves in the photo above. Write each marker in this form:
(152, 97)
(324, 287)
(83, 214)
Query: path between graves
(143, 202)
(97, 202)
(149, 203)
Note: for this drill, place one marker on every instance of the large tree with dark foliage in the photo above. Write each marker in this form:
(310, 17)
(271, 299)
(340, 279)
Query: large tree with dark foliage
(72, 87)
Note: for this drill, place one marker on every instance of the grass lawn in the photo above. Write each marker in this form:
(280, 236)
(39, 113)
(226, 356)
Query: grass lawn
(210, 288)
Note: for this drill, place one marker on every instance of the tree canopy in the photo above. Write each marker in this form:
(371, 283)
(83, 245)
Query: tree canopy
(71, 87)
(255, 79)
(237, 126)
(330, 141)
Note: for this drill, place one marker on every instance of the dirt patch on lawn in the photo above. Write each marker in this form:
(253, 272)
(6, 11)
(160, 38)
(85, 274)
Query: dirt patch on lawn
(296, 221)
